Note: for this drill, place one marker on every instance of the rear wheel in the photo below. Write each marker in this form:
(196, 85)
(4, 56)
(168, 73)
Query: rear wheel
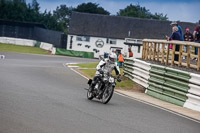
(90, 94)
(107, 94)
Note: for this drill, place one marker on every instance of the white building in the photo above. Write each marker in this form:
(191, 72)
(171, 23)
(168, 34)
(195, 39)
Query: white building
(102, 33)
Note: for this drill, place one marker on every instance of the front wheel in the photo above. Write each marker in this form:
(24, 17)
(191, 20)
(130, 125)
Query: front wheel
(90, 94)
(107, 94)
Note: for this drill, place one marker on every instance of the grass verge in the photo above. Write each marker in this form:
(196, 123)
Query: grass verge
(22, 49)
(86, 65)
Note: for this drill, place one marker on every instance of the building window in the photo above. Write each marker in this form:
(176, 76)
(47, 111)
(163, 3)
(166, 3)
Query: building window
(111, 41)
(83, 38)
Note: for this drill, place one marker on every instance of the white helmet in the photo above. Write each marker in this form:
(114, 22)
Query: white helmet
(113, 57)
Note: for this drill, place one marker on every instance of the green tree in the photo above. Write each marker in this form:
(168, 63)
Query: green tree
(14, 10)
(35, 6)
(91, 8)
(140, 12)
(159, 16)
(50, 21)
(62, 15)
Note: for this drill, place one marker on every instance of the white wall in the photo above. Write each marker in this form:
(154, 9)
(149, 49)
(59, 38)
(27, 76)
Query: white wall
(25, 42)
(17, 41)
(105, 48)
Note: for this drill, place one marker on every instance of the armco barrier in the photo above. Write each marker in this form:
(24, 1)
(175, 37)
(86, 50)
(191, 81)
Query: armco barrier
(168, 84)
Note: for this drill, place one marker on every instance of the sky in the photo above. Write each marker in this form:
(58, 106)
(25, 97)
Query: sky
(176, 10)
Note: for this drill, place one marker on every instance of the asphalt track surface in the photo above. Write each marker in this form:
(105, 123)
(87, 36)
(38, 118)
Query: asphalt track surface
(39, 94)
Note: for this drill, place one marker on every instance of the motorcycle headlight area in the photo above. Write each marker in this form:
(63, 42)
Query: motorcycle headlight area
(111, 80)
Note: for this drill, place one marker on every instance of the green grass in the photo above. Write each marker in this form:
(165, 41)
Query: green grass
(124, 84)
(89, 72)
(21, 49)
(86, 65)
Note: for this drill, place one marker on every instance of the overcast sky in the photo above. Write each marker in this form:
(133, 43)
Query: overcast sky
(176, 10)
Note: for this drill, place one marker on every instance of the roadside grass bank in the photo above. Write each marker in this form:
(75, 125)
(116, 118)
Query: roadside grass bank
(125, 84)
(22, 49)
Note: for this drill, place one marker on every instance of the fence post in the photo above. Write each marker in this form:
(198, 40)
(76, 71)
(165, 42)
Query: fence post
(180, 55)
(198, 60)
(158, 53)
(147, 51)
(150, 50)
(154, 51)
(143, 49)
(173, 54)
(188, 56)
(167, 58)
(163, 53)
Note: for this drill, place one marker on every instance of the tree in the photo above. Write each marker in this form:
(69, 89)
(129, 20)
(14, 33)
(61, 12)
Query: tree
(50, 21)
(35, 6)
(159, 16)
(91, 8)
(63, 12)
(13, 10)
(140, 12)
(62, 15)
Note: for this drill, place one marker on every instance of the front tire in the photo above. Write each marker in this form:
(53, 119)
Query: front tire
(107, 94)
(90, 94)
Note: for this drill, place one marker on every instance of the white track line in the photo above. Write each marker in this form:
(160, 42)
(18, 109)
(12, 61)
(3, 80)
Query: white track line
(144, 101)
(79, 74)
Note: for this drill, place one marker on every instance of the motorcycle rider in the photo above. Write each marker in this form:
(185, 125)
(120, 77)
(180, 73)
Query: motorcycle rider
(107, 66)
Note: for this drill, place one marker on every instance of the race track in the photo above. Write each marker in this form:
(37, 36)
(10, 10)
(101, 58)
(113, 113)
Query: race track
(39, 94)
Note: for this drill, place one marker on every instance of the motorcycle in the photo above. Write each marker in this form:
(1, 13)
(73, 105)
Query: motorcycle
(102, 87)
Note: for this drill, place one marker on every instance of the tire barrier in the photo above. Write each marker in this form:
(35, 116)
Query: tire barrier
(139, 74)
(168, 84)
(171, 85)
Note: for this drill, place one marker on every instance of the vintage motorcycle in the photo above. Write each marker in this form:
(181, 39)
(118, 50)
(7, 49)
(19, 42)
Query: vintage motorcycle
(102, 87)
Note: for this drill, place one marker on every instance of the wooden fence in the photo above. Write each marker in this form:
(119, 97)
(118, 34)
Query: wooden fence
(159, 50)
